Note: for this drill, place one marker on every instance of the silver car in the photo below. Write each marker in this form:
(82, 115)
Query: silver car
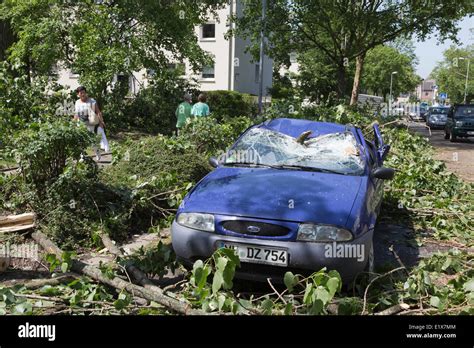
(437, 116)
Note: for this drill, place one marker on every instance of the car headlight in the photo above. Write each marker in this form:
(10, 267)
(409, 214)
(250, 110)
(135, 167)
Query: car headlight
(322, 233)
(458, 123)
(198, 221)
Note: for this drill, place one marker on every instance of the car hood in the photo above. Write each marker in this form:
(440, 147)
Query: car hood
(266, 193)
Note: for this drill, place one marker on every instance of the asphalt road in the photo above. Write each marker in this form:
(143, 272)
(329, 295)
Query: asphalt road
(458, 156)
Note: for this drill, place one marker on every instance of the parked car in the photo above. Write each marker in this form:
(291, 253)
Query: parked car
(437, 116)
(288, 195)
(460, 122)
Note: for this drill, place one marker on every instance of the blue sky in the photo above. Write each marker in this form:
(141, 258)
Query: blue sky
(431, 51)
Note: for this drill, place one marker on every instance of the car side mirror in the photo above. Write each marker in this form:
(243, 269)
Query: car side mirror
(214, 162)
(384, 173)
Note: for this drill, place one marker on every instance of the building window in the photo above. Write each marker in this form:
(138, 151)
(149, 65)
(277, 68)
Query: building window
(180, 68)
(208, 31)
(257, 73)
(208, 72)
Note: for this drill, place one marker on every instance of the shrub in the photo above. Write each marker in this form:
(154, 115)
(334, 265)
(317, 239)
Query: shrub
(228, 104)
(43, 150)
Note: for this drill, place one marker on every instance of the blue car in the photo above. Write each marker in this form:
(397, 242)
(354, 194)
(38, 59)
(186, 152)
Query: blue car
(289, 195)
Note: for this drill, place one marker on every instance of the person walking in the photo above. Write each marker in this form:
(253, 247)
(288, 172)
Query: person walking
(200, 109)
(183, 112)
(87, 111)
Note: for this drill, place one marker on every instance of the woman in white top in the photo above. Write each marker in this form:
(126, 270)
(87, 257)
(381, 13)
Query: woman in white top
(83, 107)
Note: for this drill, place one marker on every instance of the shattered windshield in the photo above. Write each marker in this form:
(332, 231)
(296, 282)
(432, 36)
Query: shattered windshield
(335, 152)
(439, 110)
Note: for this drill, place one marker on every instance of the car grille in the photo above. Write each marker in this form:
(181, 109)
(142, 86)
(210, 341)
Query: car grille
(255, 228)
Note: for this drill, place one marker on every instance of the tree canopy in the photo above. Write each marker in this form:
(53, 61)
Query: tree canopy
(99, 39)
(345, 30)
(450, 74)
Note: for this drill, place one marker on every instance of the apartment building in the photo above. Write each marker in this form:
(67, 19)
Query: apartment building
(233, 68)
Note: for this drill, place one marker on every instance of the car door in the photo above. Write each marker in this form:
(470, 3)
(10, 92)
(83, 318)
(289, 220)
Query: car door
(381, 148)
(380, 151)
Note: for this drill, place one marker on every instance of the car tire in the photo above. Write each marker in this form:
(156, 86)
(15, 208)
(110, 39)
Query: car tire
(452, 137)
(446, 135)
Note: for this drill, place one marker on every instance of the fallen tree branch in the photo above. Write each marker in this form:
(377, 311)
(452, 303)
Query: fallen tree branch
(39, 283)
(373, 280)
(394, 309)
(137, 273)
(96, 274)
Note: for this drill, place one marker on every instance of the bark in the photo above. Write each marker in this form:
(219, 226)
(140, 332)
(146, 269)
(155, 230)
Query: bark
(39, 283)
(95, 273)
(357, 78)
(394, 309)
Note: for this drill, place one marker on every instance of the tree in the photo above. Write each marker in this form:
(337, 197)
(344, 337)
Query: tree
(450, 74)
(380, 62)
(345, 30)
(99, 39)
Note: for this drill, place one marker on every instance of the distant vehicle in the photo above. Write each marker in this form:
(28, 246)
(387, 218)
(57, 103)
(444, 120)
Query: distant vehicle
(423, 111)
(436, 116)
(460, 122)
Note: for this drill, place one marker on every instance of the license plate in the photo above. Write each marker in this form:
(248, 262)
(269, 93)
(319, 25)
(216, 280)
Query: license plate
(470, 133)
(258, 254)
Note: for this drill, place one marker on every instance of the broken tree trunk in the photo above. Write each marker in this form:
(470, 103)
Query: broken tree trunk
(136, 290)
(137, 273)
(13, 223)
(39, 283)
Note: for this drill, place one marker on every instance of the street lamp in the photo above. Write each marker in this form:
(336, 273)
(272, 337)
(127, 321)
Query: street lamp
(467, 77)
(391, 81)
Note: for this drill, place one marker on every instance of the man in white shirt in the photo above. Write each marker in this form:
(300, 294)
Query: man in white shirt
(84, 106)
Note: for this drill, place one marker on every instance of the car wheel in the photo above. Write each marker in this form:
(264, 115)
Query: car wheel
(452, 137)
(446, 135)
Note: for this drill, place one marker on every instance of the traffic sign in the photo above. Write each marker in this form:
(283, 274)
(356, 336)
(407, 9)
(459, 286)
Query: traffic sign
(443, 95)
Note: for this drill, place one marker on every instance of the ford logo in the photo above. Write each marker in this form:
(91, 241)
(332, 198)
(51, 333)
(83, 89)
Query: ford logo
(253, 229)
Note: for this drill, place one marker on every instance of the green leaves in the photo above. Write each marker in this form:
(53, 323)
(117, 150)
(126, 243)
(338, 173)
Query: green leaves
(65, 263)
(290, 281)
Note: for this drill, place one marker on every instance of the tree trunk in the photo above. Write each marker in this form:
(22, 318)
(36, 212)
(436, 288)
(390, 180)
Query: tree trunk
(357, 78)
(7, 38)
(118, 283)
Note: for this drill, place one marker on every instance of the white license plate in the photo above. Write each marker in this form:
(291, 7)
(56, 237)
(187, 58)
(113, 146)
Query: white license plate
(470, 133)
(258, 254)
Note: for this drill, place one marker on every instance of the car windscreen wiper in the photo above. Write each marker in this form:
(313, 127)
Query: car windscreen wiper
(306, 168)
(284, 166)
(248, 164)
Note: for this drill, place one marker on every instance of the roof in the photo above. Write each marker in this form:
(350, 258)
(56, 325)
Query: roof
(294, 127)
